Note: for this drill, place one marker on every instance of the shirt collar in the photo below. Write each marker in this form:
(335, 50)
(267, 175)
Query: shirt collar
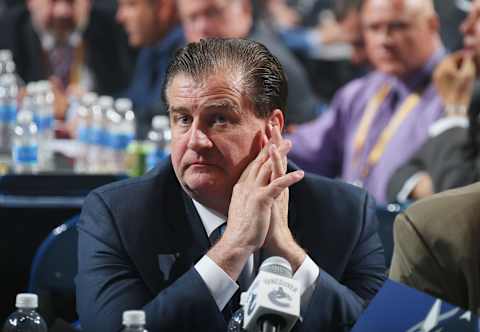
(210, 218)
(421, 76)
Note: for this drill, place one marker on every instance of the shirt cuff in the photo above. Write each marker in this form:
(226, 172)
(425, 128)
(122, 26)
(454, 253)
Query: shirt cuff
(408, 187)
(221, 286)
(307, 275)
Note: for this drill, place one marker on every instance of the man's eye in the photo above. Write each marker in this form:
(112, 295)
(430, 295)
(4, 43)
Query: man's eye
(220, 119)
(183, 119)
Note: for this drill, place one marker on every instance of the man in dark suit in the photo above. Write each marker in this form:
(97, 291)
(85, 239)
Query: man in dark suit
(152, 26)
(149, 242)
(76, 43)
(72, 43)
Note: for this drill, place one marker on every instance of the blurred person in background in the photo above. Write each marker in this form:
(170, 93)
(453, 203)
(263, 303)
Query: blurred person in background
(332, 51)
(377, 122)
(152, 26)
(450, 158)
(234, 19)
(71, 42)
(342, 26)
(437, 238)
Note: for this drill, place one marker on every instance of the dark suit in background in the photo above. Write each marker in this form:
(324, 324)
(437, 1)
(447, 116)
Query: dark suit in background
(139, 240)
(106, 52)
(437, 247)
(145, 90)
(451, 158)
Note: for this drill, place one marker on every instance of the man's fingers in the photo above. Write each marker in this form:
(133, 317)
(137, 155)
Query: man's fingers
(277, 162)
(276, 187)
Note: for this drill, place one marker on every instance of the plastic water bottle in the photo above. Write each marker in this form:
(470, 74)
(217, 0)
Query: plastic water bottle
(8, 110)
(7, 66)
(122, 132)
(98, 152)
(25, 141)
(159, 138)
(26, 317)
(83, 130)
(6, 58)
(134, 321)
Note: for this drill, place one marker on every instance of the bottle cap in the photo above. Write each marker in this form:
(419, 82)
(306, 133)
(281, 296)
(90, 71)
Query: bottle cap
(89, 99)
(123, 104)
(105, 102)
(26, 301)
(5, 55)
(134, 317)
(160, 121)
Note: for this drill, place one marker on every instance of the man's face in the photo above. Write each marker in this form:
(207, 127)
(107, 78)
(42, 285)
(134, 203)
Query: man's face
(59, 17)
(139, 19)
(213, 18)
(399, 36)
(471, 31)
(215, 134)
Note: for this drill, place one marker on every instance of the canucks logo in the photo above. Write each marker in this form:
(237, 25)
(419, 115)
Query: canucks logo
(280, 297)
(455, 320)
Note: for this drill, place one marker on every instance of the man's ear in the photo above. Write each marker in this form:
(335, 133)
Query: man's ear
(276, 118)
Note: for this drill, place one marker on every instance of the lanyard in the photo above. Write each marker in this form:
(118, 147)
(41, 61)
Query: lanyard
(77, 63)
(372, 109)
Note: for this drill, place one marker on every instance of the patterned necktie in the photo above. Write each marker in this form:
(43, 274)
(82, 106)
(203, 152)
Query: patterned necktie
(61, 59)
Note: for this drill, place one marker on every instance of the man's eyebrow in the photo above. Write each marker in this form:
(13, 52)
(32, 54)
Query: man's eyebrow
(181, 109)
(223, 103)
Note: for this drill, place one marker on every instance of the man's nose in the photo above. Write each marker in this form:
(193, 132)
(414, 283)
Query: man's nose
(198, 139)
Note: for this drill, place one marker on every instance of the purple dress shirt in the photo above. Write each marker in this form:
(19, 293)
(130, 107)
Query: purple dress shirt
(326, 145)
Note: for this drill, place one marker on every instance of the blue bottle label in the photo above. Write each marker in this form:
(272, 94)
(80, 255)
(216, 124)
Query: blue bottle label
(8, 113)
(154, 157)
(26, 154)
(99, 137)
(83, 134)
(120, 141)
(44, 122)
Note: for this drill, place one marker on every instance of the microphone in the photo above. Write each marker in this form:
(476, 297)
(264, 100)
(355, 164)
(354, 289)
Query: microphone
(272, 303)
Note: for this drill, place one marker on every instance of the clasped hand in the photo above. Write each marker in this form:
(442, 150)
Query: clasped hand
(258, 212)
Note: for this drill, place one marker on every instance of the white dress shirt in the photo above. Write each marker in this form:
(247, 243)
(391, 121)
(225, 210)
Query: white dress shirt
(222, 287)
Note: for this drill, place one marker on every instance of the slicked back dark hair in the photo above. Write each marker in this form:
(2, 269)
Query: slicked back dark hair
(263, 79)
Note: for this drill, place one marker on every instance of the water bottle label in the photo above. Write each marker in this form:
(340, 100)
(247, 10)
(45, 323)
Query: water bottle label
(8, 113)
(25, 154)
(154, 157)
(44, 123)
(120, 141)
(83, 134)
(100, 137)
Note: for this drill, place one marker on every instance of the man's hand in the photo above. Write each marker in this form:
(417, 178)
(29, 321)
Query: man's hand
(280, 241)
(250, 212)
(454, 79)
(424, 187)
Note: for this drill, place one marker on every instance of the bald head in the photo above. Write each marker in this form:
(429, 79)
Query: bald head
(400, 35)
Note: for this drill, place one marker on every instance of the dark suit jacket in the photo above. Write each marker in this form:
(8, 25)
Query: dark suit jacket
(437, 247)
(106, 51)
(452, 158)
(139, 240)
